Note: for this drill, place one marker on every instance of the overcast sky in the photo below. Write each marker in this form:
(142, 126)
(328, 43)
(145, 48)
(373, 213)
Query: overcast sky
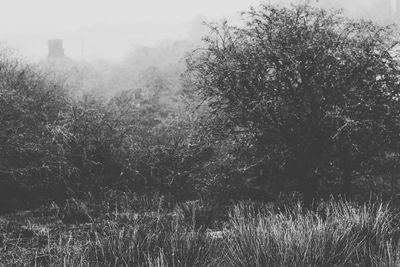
(108, 28)
(39, 16)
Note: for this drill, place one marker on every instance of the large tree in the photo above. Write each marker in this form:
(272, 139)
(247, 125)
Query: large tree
(313, 91)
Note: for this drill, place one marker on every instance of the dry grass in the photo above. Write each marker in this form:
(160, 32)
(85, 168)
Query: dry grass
(337, 234)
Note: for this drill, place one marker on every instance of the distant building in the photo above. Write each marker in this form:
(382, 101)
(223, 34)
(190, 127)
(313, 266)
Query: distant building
(56, 49)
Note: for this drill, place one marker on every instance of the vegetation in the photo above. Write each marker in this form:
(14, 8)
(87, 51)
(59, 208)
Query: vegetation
(338, 233)
(312, 93)
(268, 151)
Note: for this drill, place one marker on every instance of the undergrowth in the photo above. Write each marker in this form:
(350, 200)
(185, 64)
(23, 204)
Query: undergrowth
(337, 233)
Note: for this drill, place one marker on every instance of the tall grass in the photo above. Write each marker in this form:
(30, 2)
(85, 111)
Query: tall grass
(337, 234)
(198, 215)
(148, 240)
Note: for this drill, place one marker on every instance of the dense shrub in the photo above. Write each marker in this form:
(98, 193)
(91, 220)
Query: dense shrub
(29, 123)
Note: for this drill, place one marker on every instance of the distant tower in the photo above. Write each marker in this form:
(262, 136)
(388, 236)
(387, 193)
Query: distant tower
(56, 49)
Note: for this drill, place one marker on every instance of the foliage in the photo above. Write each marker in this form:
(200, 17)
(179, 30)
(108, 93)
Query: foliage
(55, 145)
(29, 108)
(310, 92)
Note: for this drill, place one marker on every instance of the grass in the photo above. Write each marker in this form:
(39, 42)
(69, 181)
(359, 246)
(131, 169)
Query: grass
(338, 233)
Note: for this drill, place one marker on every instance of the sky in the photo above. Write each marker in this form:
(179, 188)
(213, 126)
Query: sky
(110, 28)
(38, 16)
(104, 28)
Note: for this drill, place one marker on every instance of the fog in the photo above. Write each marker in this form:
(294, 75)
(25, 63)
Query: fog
(105, 28)
(110, 30)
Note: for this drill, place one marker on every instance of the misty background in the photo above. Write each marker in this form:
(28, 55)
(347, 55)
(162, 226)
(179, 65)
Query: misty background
(113, 46)
(110, 30)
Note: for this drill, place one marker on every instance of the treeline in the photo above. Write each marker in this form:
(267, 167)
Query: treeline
(56, 145)
(298, 99)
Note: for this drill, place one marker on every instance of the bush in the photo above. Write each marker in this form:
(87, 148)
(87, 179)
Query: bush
(29, 108)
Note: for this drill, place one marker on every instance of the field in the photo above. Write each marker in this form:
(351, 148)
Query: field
(128, 230)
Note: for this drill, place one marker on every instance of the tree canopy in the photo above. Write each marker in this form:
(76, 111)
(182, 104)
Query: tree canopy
(315, 94)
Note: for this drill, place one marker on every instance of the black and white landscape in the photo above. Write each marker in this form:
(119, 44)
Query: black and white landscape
(200, 133)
